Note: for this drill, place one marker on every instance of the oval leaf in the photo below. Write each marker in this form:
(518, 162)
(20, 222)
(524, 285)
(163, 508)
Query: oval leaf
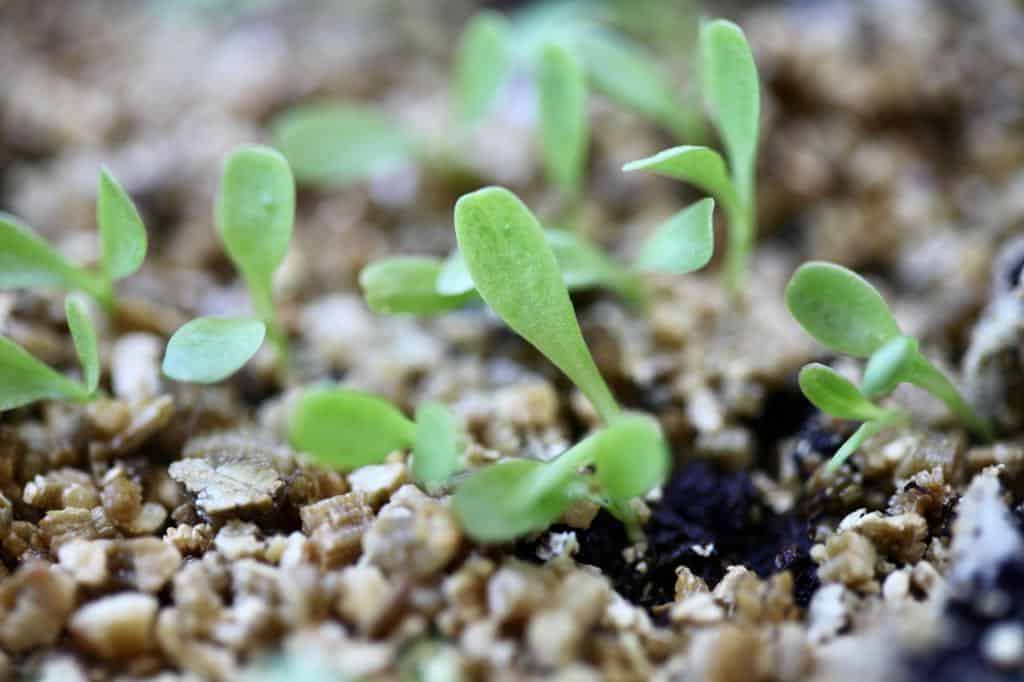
(501, 503)
(209, 349)
(481, 62)
(731, 89)
(122, 234)
(86, 346)
(699, 166)
(683, 243)
(347, 429)
(563, 108)
(631, 456)
(339, 144)
(25, 380)
(407, 284)
(889, 365)
(516, 273)
(435, 455)
(834, 394)
(26, 261)
(454, 278)
(255, 216)
(840, 309)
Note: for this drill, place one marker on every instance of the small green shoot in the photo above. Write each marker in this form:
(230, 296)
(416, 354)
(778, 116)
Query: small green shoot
(731, 89)
(27, 261)
(24, 379)
(563, 120)
(408, 285)
(481, 64)
(841, 310)
(255, 215)
(210, 349)
(347, 429)
(683, 243)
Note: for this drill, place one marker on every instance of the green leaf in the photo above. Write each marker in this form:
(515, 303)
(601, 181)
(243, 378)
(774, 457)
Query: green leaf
(255, 217)
(502, 502)
(631, 456)
(407, 284)
(516, 273)
(564, 129)
(340, 144)
(683, 243)
(435, 455)
(889, 365)
(834, 394)
(86, 346)
(584, 266)
(481, 62)
(454, 278)
(347, 429)
(122, 234)
(24, 379)
(731, 89)
(840, 309)
(699, 166)
(209, 349)
(623, 72)
(26, 261)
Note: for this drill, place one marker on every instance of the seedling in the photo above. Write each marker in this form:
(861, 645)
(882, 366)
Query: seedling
(730, 87)
(255, 215)
(210, 349)
(27, 261)
(421, 286)
(563, 121)
(24, 379)
(347, 429)
(846, 314)
(480, 67)
(516, 273)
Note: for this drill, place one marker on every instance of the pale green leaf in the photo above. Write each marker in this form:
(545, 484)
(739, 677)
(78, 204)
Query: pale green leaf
(407, 284)
(840, 309)
(585, 266)
(699, 166)
(731, 88)
(209, 349)
(435, 455)
(631, 456)
(454, 278)
(836, 395)
(83, 334)
(563, 109)
(122, 234)
(24, 379)
(516, 273)
(339, 144)
(683, 243)
(481, 63)
(27, 261)
(889, 365)
(347, 429)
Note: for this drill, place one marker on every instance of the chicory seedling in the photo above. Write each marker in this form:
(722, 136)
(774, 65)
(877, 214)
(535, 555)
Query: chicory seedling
(563, 120)
(27, 261)
(255, 215)
(845, 313)
(480, 67)
(408, 284)
(730, 88)
(24, 379)
(209, 349)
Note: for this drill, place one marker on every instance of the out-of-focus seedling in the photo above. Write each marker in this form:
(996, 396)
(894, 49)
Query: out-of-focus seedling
(27, 261)
(408, 284)
(515, 271)
(347, 429)
(24, 379)
(563, 121)
(730, 87)
(210, 349)
(255, 215)
(480, 67)
(846, 314)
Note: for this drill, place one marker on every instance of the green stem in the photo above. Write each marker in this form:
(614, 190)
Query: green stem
(863, 432)
(263, 305)
(99, 288)
(924, 374)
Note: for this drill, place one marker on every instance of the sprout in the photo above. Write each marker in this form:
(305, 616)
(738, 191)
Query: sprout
(347, 429)
(845, 313)
(255, 215)
(24, 379)
(730, 87)
(210, 349)
(481, 63)
(564, 133)
(27, 261)
(408, 284)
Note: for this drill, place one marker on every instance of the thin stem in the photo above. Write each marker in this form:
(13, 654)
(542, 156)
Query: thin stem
(263, 305)
(924, 374)
(863, 432)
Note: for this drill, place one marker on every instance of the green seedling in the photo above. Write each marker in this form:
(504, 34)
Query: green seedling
(346, 429)
(517, 274)
(24, 379)
(27, 261)
(480, 67)
(422, 286)
(210, 349)
(255, 215)
(563, 120)
(846, 314)
(730, 86)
